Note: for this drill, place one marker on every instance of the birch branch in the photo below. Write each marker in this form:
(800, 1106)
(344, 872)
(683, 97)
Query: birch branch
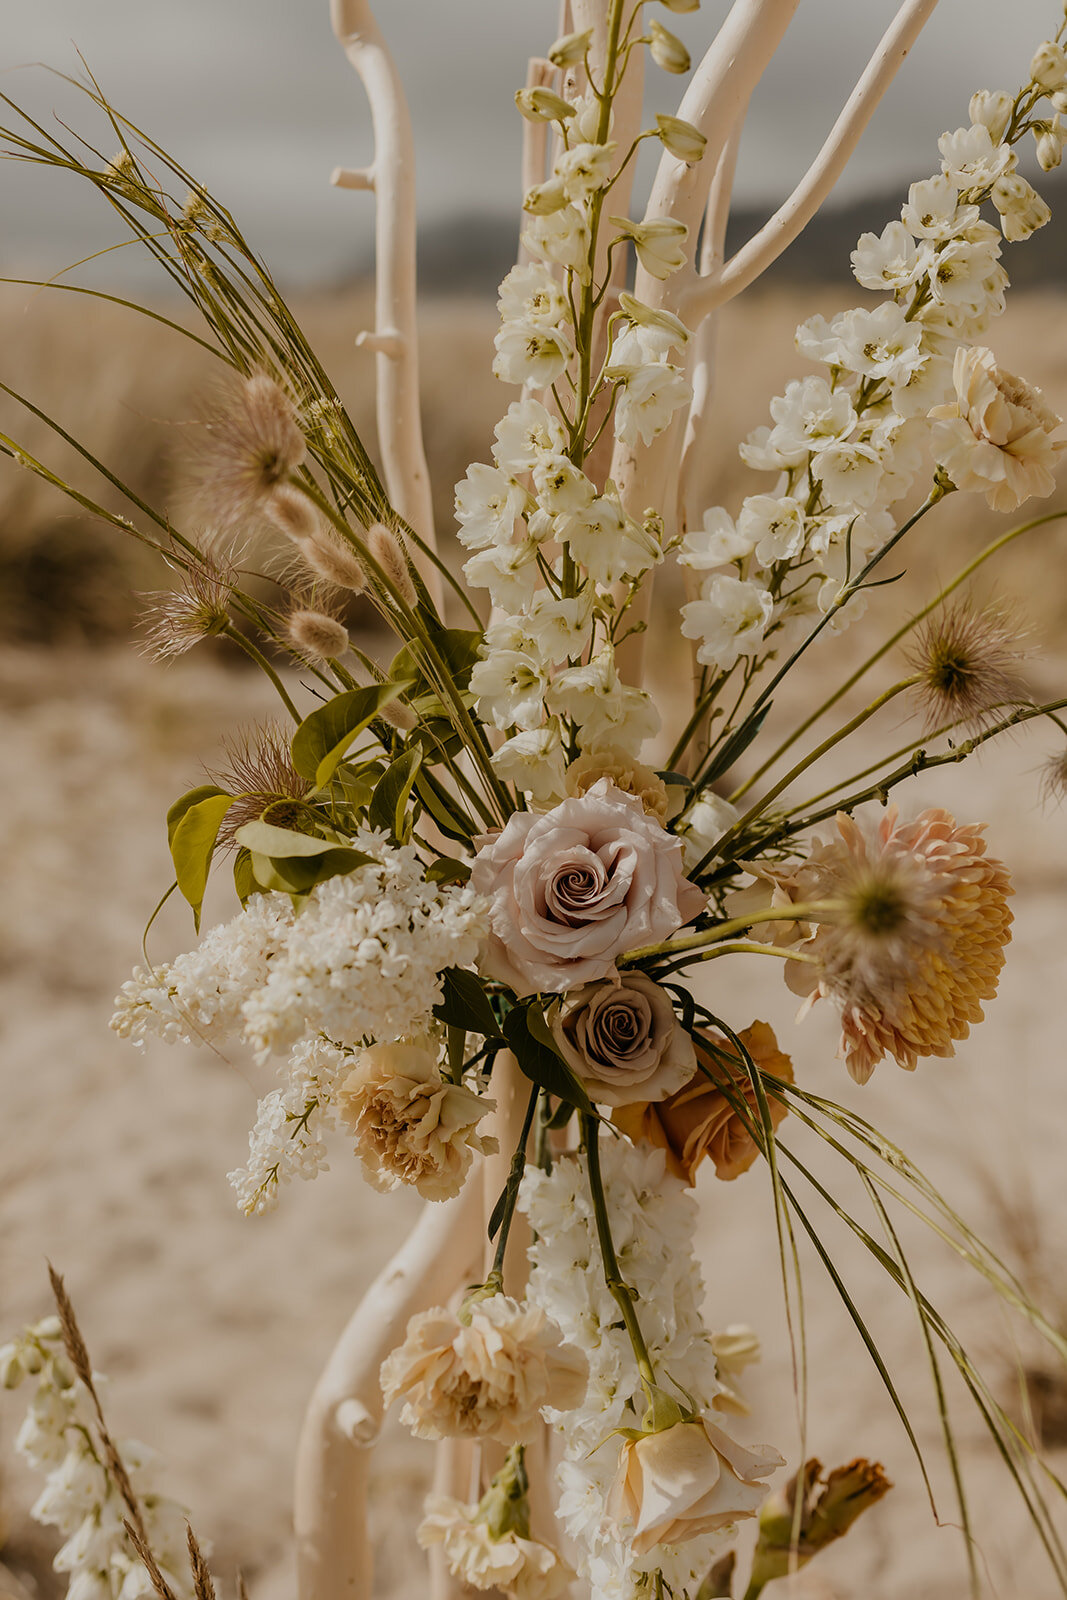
(346, 1407)
(394, 339)
(791, 218)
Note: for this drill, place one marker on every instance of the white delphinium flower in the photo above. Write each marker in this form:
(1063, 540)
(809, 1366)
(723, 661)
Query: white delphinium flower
(609, 543)
(850, 474)
(703, 824)
(524, 434)
(992, 108)
(562, 488)
(889, 260)
(199, 996)
(288, 1140)
(933, 209)
(510, 687)
(363, 960)
(584, 169)
(488, 504)
(809, 414)
(658, 242)
(508, 571)
(529, 353)
(59, 1439)
(561, 236)
(1022, 210)
(730, 619)
(559, 630)
(716, 543)
(971, 160)
(649, 389)
(534, 762)
(531, 294)
(775, 526)
(604, 709)
(653, 1219)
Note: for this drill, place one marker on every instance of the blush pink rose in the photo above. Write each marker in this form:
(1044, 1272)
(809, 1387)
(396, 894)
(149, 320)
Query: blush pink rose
(573, 888)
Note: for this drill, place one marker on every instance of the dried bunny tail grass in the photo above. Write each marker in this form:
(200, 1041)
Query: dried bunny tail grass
(389, 553)
(177, 619)
(331, 559)
(261, 774)
(292, 513)
(968, 662)
(316, 635)
(247, 445)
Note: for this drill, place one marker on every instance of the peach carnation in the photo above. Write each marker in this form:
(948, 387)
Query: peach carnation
(995, 436)
(919, 941)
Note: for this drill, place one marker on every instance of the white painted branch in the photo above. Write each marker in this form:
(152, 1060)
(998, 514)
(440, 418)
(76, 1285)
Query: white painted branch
(793, 216)
(394, 340)
(345, 1411)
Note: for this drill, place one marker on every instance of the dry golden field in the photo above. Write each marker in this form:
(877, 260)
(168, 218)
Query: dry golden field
(113, 1165)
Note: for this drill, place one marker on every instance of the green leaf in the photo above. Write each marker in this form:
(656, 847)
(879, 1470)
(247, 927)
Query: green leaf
(181, 806)
(244, 878)
(389, 802)
(736, 745)
(444, 809)
(299, 874)
(192, 842)
(538, 1061)
(447, 870)
(465, 1004)
(320, 742)
(267, 840)
(458, 648)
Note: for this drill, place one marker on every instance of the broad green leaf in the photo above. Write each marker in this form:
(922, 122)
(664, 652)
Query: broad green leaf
(444, 809)
(244, 878)
(192, 843)
(540, 1063)
(389, 803)
(298, 875)
(266, 840)
(465, 1004)
(320, 742)
(458, 648)
(182, 805)
(447, 870)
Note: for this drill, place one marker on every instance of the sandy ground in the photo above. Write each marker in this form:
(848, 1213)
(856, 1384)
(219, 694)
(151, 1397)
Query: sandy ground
(212, 1327)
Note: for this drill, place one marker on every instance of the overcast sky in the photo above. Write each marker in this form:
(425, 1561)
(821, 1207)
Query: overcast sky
(256, 98)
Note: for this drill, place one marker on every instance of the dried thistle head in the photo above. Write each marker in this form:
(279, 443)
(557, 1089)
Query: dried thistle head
(260, 772)
(177, 619)
(1054, 777)
(968, 662)
(247, 445)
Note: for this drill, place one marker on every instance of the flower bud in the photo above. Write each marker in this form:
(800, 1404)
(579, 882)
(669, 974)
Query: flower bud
(1048, 69)
(12, 1370)
(667, 51)
(992, 109)
(545, 198)
(827, 1511)
(571, 49)
(658, 243)
(1059, 100)
(681, 138)
(543, 105)
(1050, 138)
(49, 1329)
(31, 1358)
(643, 316)
(1022, 210)
(317, 635)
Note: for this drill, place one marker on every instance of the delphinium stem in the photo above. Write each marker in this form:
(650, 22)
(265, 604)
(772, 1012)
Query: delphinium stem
(617, 1286)
(511, 1193)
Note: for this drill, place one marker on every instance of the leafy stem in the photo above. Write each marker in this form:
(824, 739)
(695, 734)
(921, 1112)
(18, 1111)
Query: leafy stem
(617, 1286)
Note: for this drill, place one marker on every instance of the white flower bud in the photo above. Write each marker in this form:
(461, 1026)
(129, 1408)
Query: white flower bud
(1050, 138)
(545, 198)
(31, 1358)
(49, 1329)
(643, 316)
(12, 1370)
(571, 49)
(667, 51)
(1021, 208)
(658, 243)
(543, 105)
(1059, 100)
(681, 138)
(992, 109)
(1048, 69)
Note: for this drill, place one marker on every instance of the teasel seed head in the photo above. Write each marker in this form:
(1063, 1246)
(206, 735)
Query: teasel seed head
(969, 665)
(316, 635)
(389, 553)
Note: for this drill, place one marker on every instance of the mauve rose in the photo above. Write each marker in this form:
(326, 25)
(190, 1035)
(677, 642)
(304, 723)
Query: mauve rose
(624, 1041)
(575, 887)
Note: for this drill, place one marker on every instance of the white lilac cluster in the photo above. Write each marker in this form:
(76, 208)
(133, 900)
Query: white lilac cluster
(558, 555)
(653, 1217)
(361, 964)
(58, 1439)
(847, 445)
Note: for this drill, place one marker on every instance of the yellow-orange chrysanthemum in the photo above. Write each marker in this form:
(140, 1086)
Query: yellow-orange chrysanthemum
(918, 941)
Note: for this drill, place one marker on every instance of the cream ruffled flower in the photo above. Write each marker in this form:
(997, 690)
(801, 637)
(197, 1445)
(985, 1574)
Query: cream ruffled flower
(412, 1125)
(485, 1379)
(919, 943)
(995, 437)
(686, 1480)
(627, 774)
(525, 1569)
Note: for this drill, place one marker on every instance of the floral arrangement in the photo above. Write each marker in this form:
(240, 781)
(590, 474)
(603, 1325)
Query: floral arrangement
(477, 881)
